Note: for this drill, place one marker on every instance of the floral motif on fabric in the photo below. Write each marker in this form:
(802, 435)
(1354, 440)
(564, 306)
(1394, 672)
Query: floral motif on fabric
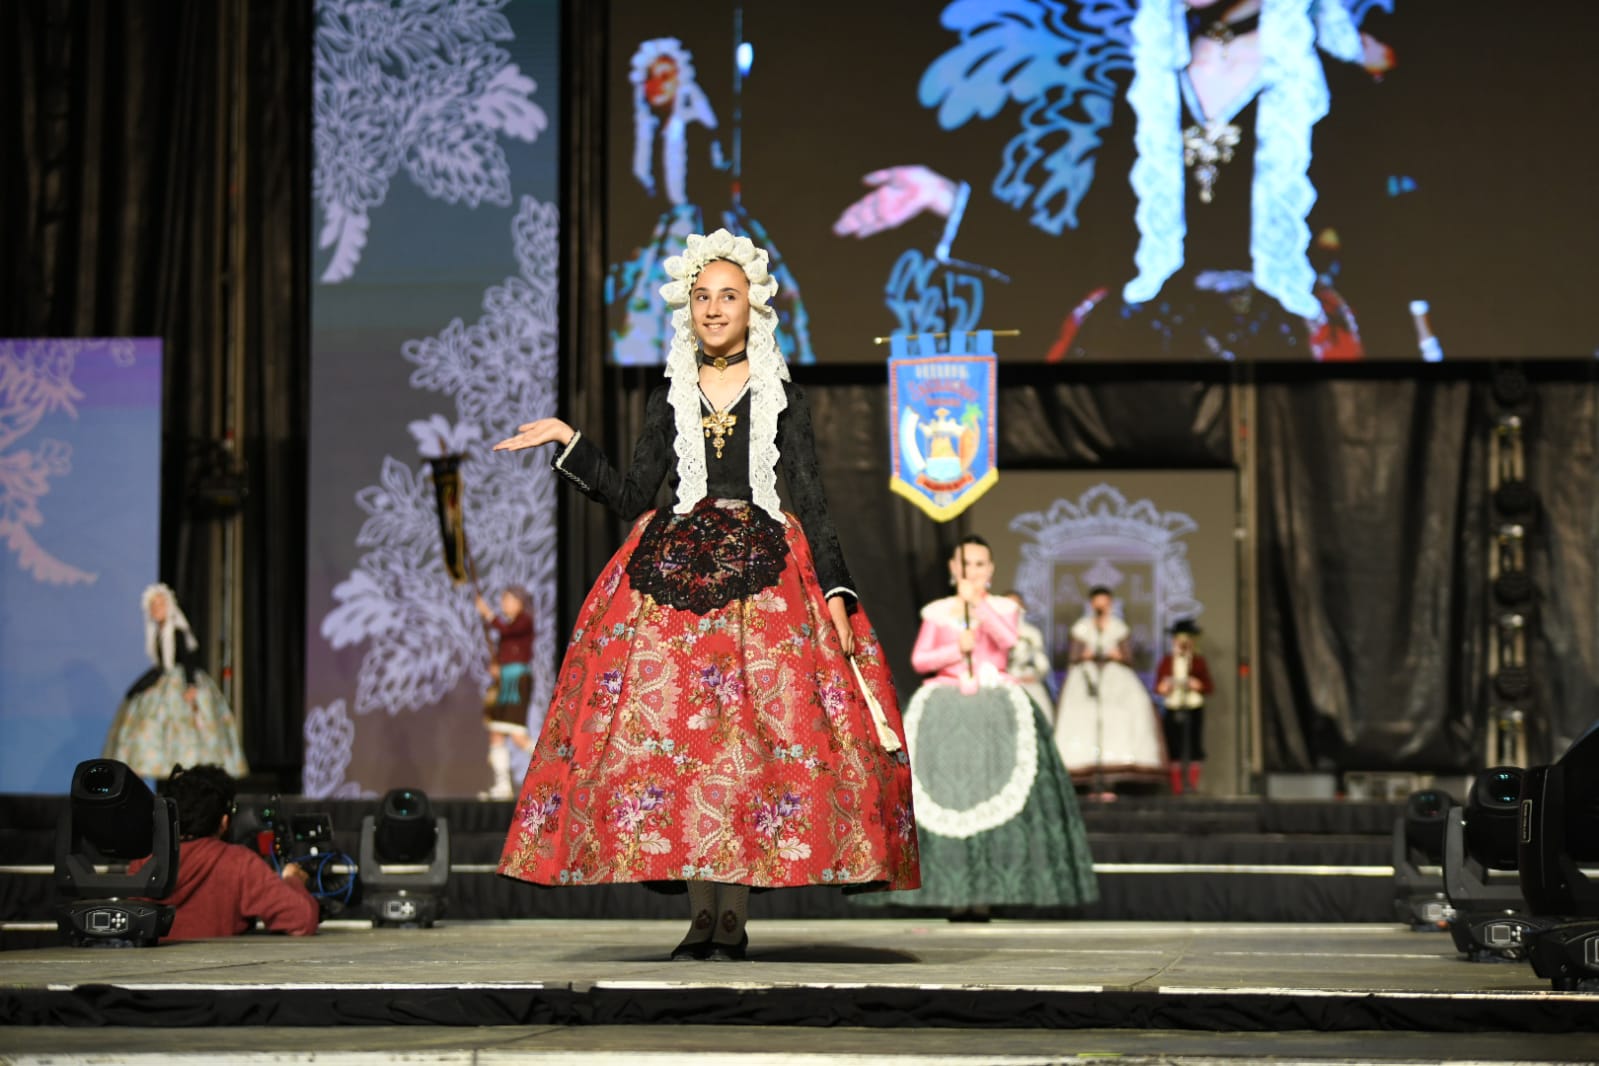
(709, 557)
(731, 745)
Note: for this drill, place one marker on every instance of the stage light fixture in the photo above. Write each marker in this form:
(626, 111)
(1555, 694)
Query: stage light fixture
(1491, 922)
(1559, 830)
(1492, 816)
(1568, 955)
(1513, 588)
(1514, 498)
(1513, 683)
(405, 861)
(1510, 386)
(114, 817)
(1418, 851)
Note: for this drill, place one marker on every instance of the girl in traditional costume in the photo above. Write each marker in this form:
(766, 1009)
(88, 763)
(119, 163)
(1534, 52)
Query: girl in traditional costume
(996, 813)
(505, 709)
(174, 713)
(1106, 729)
(723, 716)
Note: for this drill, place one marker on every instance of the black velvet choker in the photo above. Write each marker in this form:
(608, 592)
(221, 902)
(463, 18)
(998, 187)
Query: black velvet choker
(1223, 33)
(722, 362)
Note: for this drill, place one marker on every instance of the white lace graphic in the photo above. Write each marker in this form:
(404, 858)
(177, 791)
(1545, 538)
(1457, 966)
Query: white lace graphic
(423, 637)
(1003, 805)
(413, 84)
(35, 381)
(1097, 530)
(329, 739)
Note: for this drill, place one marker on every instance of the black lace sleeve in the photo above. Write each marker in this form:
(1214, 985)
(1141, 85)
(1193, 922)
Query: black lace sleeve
(584, 465)
(797, 444)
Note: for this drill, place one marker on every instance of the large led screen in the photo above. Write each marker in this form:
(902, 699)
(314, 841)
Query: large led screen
(434, 334)
(80, 533)
(1119, 180)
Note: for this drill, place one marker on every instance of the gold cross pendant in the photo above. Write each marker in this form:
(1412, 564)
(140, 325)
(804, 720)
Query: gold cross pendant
(718, 427)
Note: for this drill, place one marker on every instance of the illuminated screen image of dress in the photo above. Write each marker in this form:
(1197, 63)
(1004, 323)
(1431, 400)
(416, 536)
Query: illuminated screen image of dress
(1121, 180)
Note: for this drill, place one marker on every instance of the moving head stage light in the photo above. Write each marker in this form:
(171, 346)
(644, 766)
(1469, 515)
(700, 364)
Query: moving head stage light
(1419, 899)
(114, 818)
(405, 861)
(1559, 830)
(1491, 921)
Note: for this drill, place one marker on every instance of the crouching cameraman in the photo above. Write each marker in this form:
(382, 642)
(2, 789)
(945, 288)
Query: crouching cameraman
(223, 888)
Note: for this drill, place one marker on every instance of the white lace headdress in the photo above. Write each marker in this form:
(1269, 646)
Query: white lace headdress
(160, 641)
(768, 370)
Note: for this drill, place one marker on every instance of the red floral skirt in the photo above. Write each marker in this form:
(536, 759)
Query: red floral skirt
(724, 739)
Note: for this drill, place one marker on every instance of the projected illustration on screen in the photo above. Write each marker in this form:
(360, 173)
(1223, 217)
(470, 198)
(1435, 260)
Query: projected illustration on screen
(1132, 180)
(667, 102)
(434, 330)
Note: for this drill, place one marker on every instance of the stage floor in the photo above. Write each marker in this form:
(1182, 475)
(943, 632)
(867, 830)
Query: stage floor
(987, 991)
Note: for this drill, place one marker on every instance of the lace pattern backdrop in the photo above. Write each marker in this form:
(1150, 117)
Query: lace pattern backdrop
(435, 332)
(80, 493)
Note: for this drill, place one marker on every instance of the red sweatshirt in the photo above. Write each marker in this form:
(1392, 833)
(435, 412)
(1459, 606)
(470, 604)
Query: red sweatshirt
(222, 886)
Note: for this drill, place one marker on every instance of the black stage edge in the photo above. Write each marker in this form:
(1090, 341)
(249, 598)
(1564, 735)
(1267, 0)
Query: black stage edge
(865, 1007)
(1159, 858)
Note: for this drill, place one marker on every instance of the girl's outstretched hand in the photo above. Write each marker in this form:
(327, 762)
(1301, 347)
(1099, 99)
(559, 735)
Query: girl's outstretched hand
(532, 434)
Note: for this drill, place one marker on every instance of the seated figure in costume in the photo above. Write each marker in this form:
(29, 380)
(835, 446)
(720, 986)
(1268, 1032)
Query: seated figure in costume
(1029, 664)
(1182, 681)
(1106, 728)
(723, 716)
(505, 707)
(995, 809)
(174, 712)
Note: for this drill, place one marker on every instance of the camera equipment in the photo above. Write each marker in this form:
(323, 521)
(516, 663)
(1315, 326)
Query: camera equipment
(306, 839)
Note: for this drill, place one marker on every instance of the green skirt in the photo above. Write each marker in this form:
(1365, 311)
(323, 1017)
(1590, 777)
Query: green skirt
(996, 815)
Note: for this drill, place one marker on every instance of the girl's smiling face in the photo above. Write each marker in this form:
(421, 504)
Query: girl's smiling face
(720, 303)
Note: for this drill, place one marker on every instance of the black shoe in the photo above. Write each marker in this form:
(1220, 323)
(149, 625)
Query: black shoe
(692, 951)
(969, 914)
(730, 952)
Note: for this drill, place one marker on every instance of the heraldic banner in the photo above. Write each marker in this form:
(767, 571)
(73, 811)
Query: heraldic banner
(942, 433)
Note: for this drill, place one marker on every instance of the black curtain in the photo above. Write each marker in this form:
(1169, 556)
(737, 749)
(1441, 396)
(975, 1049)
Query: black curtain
(157, 185)
(1562, 420)
(1371, 555)
(1375, 528)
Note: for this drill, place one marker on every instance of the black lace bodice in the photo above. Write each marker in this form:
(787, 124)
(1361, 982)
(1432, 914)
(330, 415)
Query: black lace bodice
(585, 466)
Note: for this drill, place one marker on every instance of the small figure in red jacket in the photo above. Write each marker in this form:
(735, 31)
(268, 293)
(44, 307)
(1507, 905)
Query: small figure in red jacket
(1182, 681)
(224, 889)
(505, 708)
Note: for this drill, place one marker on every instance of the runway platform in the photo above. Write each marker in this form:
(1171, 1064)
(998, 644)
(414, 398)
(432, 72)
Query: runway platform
(868, 975)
